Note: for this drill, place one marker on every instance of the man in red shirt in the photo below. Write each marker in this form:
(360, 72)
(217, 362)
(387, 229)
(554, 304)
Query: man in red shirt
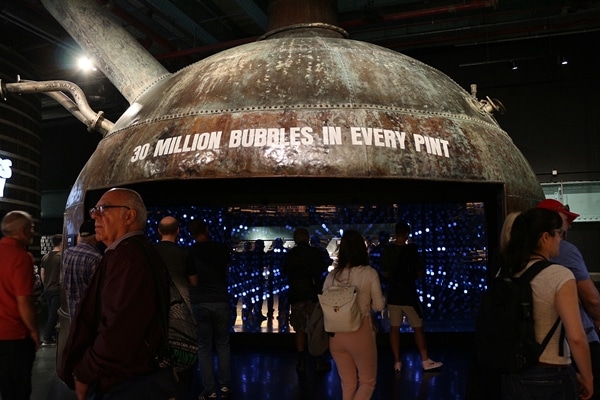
(19, 338)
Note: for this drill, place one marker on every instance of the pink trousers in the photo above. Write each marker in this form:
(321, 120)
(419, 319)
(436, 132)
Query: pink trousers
(355, 356)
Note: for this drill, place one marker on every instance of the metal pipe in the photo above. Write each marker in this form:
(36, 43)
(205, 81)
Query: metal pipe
(137, 24)
(124, 61)
(78, 106)
(283, 13)
(426, 12)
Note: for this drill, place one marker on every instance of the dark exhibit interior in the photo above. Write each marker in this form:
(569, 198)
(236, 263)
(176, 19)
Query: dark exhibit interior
(508, 87)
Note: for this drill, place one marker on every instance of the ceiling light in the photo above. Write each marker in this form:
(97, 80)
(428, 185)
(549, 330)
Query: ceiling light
(85, 64)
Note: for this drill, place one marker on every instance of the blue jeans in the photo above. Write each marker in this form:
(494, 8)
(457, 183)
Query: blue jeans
(53, 302)
(212, 321)
(541, 383)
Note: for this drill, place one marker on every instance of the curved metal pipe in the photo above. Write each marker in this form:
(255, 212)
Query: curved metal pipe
(121, 58)
(78, 106)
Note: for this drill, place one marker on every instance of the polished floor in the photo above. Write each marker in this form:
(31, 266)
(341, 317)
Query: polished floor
(267, 371)
(264, 368)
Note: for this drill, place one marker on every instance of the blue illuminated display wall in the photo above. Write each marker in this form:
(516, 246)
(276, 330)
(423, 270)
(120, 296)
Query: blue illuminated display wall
(450, 236)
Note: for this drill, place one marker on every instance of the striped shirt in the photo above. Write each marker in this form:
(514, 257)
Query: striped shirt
(79, 262)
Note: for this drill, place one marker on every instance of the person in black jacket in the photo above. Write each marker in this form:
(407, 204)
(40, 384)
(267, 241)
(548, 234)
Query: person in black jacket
(207, 268)
(303, 266)
(402, 266)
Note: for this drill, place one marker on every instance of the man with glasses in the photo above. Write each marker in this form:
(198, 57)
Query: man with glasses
(589, 306)
(116, 337)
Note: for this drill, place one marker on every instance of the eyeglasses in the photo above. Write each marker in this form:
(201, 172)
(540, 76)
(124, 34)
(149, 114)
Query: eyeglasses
(100, 209)
(560, 232)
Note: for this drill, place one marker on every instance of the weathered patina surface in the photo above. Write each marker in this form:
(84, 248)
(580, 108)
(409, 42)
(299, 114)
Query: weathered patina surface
(312, 107)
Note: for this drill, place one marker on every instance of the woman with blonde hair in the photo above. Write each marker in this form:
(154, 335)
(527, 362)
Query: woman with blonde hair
(355, 353)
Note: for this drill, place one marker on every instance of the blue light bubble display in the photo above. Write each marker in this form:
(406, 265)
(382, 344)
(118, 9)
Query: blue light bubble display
(451, 238)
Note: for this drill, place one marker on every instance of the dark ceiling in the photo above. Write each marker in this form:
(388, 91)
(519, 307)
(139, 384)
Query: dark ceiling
(181, 32)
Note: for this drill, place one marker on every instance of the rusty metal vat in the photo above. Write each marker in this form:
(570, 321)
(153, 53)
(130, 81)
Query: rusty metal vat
(304, 102)
(303, 116)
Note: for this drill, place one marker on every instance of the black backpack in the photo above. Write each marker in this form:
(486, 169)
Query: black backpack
(504, 334)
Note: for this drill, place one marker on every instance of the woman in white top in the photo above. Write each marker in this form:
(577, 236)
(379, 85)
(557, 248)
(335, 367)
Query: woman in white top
(535, 236)
(355, 353)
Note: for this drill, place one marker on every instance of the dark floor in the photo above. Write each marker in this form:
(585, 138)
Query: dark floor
(264, 360)
(264, 368)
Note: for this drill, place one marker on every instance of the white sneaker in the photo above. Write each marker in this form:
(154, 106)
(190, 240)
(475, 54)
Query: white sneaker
(429, 364)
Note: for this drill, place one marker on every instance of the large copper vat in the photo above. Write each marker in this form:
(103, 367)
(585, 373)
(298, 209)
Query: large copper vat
(304, 113)
(303, 116)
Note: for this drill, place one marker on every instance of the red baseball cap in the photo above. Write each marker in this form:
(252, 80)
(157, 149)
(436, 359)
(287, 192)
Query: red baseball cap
(555, 205)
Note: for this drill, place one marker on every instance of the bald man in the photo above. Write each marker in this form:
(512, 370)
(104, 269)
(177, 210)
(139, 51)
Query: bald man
(117, 334)
(172, 254)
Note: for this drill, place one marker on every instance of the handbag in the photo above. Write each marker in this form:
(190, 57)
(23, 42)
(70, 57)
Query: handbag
(181, 349)
(182, 334)
(341, 312)
(317, 337)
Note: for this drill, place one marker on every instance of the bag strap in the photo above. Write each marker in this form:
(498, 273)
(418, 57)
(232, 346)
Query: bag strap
(526, 277)
(163, 311)
(532, 271)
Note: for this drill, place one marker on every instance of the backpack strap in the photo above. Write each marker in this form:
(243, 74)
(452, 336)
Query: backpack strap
(526, 277)
(532, 271)
(163, 313)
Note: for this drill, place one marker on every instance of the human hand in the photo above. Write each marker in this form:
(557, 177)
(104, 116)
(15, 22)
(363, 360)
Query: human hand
(81, 389)
(36, 339)
(586, 388)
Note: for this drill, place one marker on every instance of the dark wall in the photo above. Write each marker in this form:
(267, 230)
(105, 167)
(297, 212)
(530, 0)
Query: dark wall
(551, 109)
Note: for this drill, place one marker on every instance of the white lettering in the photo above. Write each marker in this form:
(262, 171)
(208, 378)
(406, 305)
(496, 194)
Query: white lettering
(162, 147)
(235, 139)
(433, 146)
(260, 137)
(247, 137)
(332, 135)
(273, 136)
(355, 136)
(5, 173)
(401, 136)
(367, 135)
(307, 137)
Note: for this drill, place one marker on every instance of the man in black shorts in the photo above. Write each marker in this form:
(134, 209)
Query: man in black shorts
(402, 266)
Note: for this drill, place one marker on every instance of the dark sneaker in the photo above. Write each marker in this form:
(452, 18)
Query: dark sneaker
(207, 396)
(225, 392)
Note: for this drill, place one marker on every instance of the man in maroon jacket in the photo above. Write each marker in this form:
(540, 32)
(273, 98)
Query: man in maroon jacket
(116, 336)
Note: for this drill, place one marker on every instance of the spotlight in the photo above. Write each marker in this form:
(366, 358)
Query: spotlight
(85, 64)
